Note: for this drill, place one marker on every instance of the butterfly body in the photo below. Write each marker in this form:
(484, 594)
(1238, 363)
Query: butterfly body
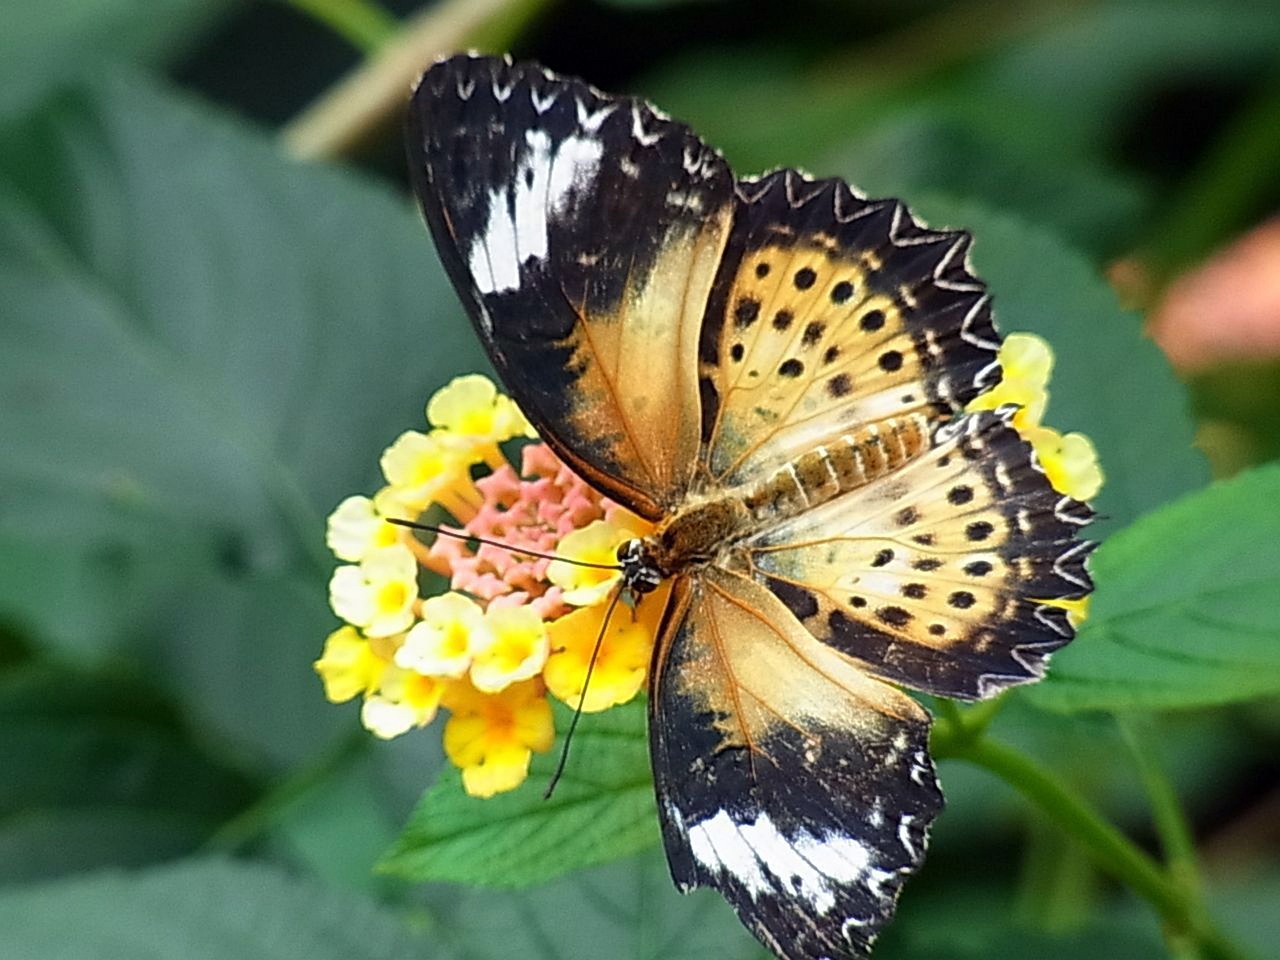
(773, 371)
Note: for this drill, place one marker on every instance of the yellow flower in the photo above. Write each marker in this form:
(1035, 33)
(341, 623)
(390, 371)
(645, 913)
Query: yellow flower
(492, 737)
(378, 595)
(624, 655)
(356, 527)
(513, 646)
(1025, 364)
(471, 405)
(1070, 462)
(349, 666)
(442, 643)
(405, 699)
(597, 542)
(423, 469)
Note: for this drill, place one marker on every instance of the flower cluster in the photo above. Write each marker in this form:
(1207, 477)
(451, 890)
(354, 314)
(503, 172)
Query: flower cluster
(516, 628)
(513, 628)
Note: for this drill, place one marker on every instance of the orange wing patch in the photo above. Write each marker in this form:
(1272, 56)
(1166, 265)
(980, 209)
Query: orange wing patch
(750, 664)
(634, 394)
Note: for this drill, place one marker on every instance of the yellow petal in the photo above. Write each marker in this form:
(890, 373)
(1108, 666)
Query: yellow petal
(386, 719)
(621, 664)
(441, 644)
(355, 528)
(500, 771)
(348, 666)
(1070, 462)
(595, 543)
(1025, 364)
(514, 648)
(465, 405)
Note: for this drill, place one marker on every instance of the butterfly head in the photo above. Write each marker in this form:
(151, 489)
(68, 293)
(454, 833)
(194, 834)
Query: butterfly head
(640, 571)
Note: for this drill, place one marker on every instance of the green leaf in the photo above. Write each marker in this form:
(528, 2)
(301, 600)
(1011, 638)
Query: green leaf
(209, 909)
(1109, 380)
(1185, 614)
(206, 347)
(45, 41)
(1083, 73)
(601, 810)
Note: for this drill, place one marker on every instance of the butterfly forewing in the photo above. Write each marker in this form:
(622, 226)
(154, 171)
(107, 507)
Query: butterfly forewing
(832, 311)
(787, 778)
(583, 232)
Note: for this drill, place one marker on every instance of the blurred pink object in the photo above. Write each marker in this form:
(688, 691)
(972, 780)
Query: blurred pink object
(1226, 309)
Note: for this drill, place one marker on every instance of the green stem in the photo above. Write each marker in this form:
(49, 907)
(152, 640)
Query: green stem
(274, 805)
(1170, 821)
(362, 23)
(1114, 853)
(367, 103)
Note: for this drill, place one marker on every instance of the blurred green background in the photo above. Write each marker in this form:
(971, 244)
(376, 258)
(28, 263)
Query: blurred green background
(217, 307)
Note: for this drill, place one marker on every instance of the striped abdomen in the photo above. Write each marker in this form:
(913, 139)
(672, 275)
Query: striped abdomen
(837, 466)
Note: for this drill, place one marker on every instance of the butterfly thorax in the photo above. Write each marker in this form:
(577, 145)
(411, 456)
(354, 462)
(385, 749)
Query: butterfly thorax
(709, 525)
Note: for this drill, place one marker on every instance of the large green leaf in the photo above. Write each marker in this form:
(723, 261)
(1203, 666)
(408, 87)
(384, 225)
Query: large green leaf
(602, 809)
(209, 909)
(206, 346)
(1186, 613)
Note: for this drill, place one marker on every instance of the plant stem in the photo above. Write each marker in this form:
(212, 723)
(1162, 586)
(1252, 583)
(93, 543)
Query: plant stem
(269, 809)
(1170, 821)
(368, 100)
(362, 23)
(1110, 849)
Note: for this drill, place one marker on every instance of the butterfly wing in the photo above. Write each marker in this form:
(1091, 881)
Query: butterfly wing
(787, 778)
(583, 232)
(829, 312)
(947, 575)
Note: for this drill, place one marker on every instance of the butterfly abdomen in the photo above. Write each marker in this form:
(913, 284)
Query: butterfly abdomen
(844, 464)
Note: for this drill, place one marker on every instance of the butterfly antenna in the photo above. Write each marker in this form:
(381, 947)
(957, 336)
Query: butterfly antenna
(472, 538)
(582, 697)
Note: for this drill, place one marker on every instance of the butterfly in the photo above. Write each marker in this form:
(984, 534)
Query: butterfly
(774, 371)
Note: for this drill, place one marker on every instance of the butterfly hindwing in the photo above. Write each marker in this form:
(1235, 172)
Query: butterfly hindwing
(583, 232)
(831, 311)
(787, 778)
(946, 575)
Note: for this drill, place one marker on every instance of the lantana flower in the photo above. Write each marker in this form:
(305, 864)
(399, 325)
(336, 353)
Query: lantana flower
(482, 650)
